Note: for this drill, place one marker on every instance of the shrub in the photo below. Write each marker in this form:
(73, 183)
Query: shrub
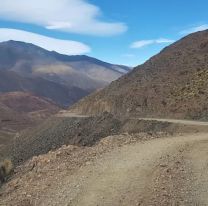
(6, 168)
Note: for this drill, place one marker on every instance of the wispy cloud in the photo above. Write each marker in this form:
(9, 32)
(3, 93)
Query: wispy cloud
(194, 29)
(51, 44)
(142, 43)
(77, 16)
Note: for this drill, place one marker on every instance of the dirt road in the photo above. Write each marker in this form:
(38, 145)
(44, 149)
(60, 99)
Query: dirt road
(66, 113)
(161, 171)
(166, 171)
(176, 121)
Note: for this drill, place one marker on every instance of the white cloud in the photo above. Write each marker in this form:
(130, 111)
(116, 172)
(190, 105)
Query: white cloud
(142, 43)
(51, 44)
(163, 40)
(194, 29)
(77, 16)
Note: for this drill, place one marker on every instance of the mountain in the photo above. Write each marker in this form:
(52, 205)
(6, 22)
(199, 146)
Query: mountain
(23, 102)
(61, 94)
(172, 84)
(81, 72)
(18, 110)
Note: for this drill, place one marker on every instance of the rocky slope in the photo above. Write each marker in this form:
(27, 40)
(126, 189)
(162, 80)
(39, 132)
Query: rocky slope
(86, 131)
(21, 110)
(139, 169)
(173, 83)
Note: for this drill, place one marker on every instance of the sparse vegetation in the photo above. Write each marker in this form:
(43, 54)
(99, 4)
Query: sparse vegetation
(6, 168)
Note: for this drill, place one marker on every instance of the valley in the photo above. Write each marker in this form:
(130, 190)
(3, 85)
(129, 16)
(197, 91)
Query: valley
(36, 84)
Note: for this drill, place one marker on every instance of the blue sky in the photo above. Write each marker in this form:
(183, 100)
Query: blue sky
(120, 31)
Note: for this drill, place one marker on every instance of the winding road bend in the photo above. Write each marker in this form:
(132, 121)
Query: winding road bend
(163, 171)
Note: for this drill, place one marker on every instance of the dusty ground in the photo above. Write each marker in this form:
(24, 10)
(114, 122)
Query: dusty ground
(137, 169)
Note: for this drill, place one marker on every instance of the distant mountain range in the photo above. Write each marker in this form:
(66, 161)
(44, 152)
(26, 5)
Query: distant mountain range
(172, 84)
(64, 79)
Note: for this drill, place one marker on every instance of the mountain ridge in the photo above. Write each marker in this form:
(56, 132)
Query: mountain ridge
(58, 56)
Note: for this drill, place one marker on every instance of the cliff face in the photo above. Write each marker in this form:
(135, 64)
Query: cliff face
(172, 84)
